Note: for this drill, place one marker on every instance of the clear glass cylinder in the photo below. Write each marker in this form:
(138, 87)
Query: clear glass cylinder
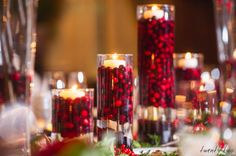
(156, 71)
(188, 66)
(17, 51)
(72, 113)
(115, 96)
(188, 69)
(225, 30)
(18, 47)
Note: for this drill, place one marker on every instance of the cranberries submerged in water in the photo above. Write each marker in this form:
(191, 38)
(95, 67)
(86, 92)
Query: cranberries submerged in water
(71, 118)
(20, 86)
(155, 60)
(115, 103)
(188, 74)
(156, 73)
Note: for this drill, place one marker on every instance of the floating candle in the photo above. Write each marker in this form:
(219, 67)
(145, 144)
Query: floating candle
(114, 62)
(72, 93)
(154, 12)
(188, 61)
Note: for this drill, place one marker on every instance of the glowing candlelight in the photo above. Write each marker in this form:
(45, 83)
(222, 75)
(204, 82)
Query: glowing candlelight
(72, 93)
(188, 61)
(114, 62)
(154, 12)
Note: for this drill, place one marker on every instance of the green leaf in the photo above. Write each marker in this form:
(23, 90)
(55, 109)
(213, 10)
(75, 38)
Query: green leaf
(106, 146)
(170, 154)
(136, 144)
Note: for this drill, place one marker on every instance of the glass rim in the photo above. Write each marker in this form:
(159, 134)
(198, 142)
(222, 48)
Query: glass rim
(180, 55)
(156, 4)
(103, 55)
(62, 71)
(79, 89)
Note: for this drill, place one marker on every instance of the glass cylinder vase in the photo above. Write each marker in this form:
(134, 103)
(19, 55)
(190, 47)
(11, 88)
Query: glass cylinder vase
(226, 33)
(17, 51)
(155, 70)
(188, 69)
(115, 96)
(72, 113)
(18, 47)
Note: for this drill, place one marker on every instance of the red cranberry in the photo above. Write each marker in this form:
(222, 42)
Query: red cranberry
(16, 76)
(118, 103)
(86, 122)
(68, 125)
(84, 113)
(221, 143)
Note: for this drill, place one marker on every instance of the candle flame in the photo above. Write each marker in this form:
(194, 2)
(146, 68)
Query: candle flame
(114, 56)
(74, 87)
(154, 8)
(188, 55)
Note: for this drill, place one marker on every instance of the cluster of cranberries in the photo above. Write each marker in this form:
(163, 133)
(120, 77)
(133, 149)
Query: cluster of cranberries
(19, 85)
(72, 117)
(155, 60)
(188, 74)
(123, 150)
(115, 93)
(156, 75)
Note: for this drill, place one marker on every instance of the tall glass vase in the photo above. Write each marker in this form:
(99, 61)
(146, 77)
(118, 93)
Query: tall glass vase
(225, 31)
(17, 50)
(18, 43)
(115, 97)
(156, 71)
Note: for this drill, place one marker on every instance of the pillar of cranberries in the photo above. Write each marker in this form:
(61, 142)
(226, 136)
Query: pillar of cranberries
(115, 97)
(155, 69)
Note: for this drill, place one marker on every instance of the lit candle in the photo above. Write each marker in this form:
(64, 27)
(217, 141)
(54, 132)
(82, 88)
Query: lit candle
(114, 62)
(188, 61)
(72, 93)
(154, 12)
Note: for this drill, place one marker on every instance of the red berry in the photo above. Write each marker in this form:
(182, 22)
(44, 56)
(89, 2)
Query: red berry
(221, 144)
(84, 113)
(68, 125)
(118, 103)
(85, 122)
(16, 76)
